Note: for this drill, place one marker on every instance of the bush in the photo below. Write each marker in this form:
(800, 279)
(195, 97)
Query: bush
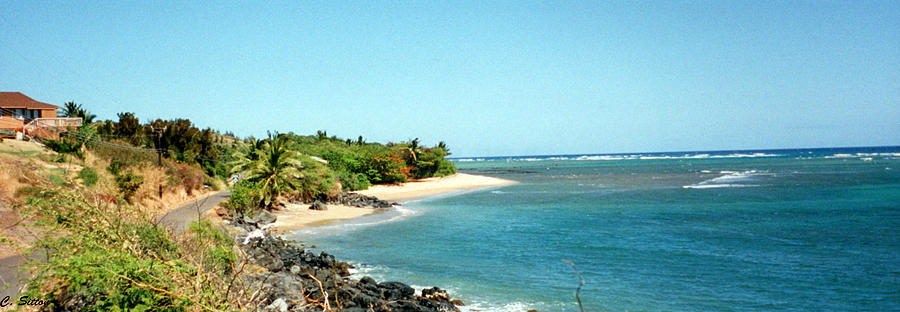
(445, 168)
(385, 168)
(316, 181)
(114, 167)
(353, 181)
(217, 256)
(88, 176)
(128, 184)
(245, 197)
(65, 145)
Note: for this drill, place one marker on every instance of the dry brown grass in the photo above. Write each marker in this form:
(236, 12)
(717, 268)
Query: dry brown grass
(25, 163)
(16, 171)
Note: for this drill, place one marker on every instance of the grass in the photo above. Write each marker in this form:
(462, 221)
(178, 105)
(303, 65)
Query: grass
(57, 176)
(21, 153)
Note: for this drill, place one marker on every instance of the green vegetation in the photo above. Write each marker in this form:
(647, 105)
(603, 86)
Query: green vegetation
(245, 196)
(105, 253)
(310, 167)
(359, 164)
(57, 179)
(285, 166)
(88, 176)
(114, 258)
(128, 184)
(70, 109)
(273, 167)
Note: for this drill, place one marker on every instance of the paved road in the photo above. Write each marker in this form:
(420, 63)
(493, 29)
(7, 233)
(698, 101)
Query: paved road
(10, 276)
(177, 220)
(180, 218)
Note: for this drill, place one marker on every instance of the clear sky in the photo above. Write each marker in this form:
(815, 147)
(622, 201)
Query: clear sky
(487, 77)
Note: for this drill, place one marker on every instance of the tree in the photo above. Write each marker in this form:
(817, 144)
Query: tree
(414, 150)
(71, 109)
(129, 128)
(443, 146)
(274, 167)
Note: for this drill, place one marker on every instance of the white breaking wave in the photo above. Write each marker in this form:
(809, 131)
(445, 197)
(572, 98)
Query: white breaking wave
(510, 307)
(863, 156)
(728, 179)
(382, 273)
(604, 157)
(623, 157)
(708, 156)
(709, 186)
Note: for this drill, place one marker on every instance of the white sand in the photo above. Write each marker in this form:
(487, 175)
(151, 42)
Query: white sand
(296, 216)
(431, 186)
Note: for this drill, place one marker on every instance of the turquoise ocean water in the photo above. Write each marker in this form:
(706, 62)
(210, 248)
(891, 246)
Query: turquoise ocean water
(785, 230)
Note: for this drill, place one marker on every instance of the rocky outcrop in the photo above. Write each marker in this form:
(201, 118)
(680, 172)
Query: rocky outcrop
(299, 280)
(318, 205)
(358, 200)
(251, 222)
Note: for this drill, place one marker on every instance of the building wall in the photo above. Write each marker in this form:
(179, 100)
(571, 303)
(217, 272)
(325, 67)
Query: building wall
(48, 113)
(9, 123)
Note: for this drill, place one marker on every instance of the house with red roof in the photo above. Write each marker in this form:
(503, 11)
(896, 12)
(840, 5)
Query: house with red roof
(20, 113)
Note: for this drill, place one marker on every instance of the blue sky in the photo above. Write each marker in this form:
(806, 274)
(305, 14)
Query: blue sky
(489, 78)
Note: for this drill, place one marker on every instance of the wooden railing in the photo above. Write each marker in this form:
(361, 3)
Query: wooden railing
(50, 126)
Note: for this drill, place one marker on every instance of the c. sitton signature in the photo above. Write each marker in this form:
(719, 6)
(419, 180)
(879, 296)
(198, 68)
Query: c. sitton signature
(23, 301)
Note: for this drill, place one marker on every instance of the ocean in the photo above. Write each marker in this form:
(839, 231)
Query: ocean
(785, 230)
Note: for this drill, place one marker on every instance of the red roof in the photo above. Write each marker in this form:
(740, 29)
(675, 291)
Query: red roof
(19, 100)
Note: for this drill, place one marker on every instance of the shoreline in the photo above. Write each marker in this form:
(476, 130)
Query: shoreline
(299, 216)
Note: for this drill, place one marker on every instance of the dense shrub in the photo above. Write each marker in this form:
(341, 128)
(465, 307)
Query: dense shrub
(431, 163)
(245, 197)
(88, 176)
(128, 184)
(114, 167)
(63, 145)
(316, 180)
(353, 181)
(445, 168)
(386, 167)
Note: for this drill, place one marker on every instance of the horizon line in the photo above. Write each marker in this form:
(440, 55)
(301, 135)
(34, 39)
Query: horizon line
(668, 152)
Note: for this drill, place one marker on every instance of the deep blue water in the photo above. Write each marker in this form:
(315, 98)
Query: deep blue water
(786, 230)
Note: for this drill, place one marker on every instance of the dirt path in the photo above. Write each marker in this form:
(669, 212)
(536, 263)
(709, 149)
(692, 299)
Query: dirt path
(176, 219)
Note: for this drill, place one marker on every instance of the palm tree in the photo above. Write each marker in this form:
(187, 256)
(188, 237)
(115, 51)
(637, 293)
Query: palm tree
(443, 146)
(414, 150)
(70, 109)
(273, 166)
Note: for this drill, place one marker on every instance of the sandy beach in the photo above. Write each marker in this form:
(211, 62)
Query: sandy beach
(432, 186)
(297, 216)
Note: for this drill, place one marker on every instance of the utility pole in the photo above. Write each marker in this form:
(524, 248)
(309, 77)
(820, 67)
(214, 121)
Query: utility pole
(159, 132)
